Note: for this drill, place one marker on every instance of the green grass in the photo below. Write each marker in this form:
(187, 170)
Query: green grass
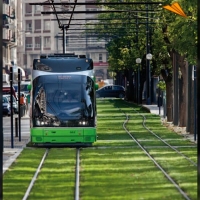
(115, 167)
(19, 175)
(135, 127)
(180, 169)
(122, 174)
(56, 180)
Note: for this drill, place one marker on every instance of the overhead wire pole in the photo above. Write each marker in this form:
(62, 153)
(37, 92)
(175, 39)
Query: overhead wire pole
(148, 71)
(138, 67)
(64, 38)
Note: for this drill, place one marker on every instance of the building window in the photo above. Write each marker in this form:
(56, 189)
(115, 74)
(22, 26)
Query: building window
(37, 42)
(47, 42)
(28, 8)
(28, 25)
(37, 25)
(100, 57)
(46, 25)
(37, 9)
(29, 42)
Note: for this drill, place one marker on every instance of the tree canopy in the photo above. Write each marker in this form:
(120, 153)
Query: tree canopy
(129, 33)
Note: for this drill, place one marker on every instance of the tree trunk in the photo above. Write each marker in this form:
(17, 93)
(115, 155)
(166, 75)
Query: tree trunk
(129, 85)
(167, 76)
(192, 109)
(182, 91)
(169, 100)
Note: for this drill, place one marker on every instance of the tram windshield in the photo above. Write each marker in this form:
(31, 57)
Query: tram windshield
(63, 100)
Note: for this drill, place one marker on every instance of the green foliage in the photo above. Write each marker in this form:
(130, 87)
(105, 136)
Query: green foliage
(167, 32)
(161, 85)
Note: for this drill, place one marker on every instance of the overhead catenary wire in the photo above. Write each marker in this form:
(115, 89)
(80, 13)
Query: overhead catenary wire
(65, 14)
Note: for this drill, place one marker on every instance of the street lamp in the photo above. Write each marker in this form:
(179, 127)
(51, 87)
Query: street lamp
(149, 56)
(138, 61)
(148, 79)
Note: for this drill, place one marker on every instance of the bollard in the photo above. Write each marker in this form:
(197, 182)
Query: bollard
(21, 110)
(16, 127)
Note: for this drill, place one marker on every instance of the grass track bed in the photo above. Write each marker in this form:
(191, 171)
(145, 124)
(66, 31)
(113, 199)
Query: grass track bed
(153, 122)
(115, 167)
(174, 164)
(57, 177)
(19, 175)
(122, 174)
(116, 142)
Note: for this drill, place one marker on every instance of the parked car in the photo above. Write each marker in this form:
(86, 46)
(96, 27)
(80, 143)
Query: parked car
(6, 106)
(15, 103)
(117, 91)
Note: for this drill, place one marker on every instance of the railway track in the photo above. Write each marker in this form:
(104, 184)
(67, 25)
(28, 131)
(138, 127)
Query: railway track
(122, 164)
(159, 138)
(182, 192)
(41, 164)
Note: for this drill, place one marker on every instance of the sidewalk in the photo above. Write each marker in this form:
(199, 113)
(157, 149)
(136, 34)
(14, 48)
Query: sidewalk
(154, 109)
(10, 154)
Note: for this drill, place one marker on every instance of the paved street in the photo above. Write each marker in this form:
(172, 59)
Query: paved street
(9, 153)
(25, 132)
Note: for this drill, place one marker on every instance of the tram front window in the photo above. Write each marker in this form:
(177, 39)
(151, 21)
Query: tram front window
(65, 101)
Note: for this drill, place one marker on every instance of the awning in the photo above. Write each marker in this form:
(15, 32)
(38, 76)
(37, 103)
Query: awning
(6, 90)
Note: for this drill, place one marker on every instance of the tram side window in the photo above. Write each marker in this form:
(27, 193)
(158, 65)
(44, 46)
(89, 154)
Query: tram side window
(89, 98)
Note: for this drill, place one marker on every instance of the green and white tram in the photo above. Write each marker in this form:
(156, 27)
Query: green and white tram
(63, 102)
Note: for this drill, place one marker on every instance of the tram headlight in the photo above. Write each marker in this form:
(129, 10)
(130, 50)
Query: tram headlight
(83, 123)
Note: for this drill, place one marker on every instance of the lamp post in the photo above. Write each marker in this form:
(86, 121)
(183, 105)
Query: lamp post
(148, 79)
(138, 61)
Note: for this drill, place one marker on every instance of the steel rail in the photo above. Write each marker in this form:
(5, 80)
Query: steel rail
(154, 161)
(144, 125)
(192, 162)
(35, 176)
(77, 174)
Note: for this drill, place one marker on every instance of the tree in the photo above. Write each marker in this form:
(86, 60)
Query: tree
(171, 34)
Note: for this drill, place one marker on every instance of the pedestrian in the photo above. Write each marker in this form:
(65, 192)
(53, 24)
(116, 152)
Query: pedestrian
(22, 105)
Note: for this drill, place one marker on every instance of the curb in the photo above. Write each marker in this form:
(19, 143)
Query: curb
(12, 158)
